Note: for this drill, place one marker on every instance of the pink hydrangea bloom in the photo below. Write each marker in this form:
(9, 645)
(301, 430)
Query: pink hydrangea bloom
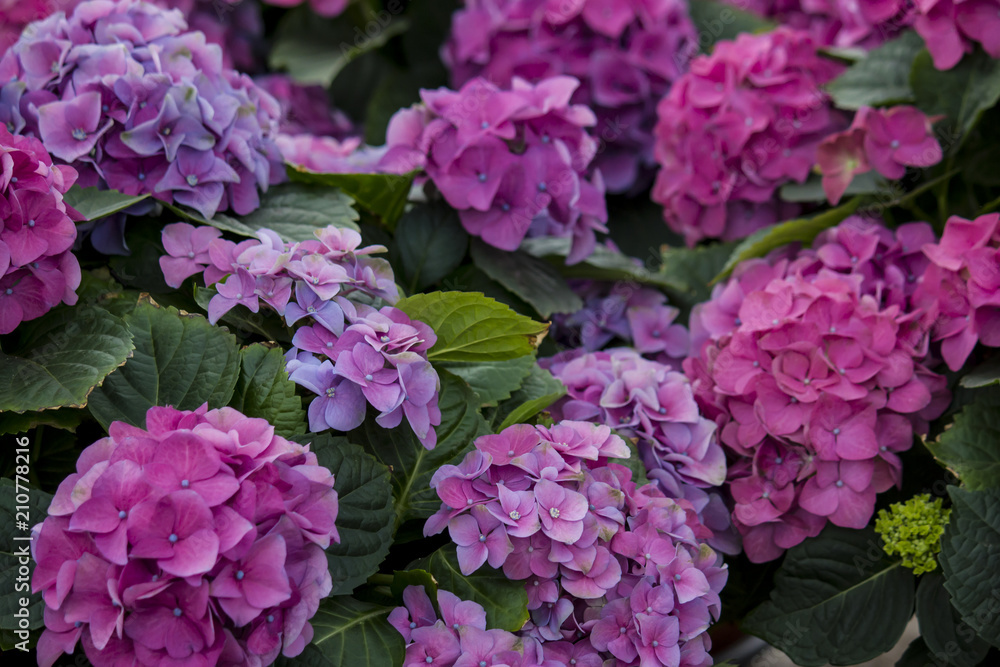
(743, 121)
(198, 539)
(951, 28)
(961, 286)
(814, 365)
(328, 8)
(135, 101)
(840, 23)
(888, 140)
(513, 162)
(37, 269)
(598, 555)
(625, 56)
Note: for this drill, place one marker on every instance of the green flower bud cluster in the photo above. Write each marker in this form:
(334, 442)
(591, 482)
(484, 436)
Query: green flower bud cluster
(913, 530)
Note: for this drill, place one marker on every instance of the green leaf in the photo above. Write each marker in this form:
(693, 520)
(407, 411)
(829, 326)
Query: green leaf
(983, 375)
(314, 50)
(220, 221)
(505, 601)
(538, 391)
(532, 279)
(473, 327)
(411, 464)
(383, 195)
(366, 518)
(969, 448)
(179, 360)
(962, 93)
(881, 78)
(63, 418)
(603, 264)
(94, 204)
(916, 655)
(802, 230)
(263, 390)
(837, 598)
(14, 554)
(633, 462)
(941, 625)
(968, 557)
(58, 359)
(493, 380)
(690, 270)
(351, 633)
(867, 183)
(295, 211)
(53, 454)
(716, 21)
(431, 244)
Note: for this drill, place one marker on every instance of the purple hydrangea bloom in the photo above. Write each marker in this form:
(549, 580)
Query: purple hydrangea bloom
(198, 539)
(136, 102)
(513, 161)
(625, 56)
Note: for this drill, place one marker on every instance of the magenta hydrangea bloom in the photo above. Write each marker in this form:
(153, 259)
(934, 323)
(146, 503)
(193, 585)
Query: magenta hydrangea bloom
(623, 566)
(951, 28)
(961, 286)
(37, 230)
(840, 23)
(235, 25)
(625, 56)
(814, 365)
(349, 354)
(196, 540)
(743, 121)
(888, 140)
(513, 162)
(136, 102)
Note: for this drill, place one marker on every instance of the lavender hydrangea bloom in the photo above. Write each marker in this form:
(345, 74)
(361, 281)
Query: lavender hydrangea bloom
(199, 540)
(552, 507)
(126, 84)
(349, 354)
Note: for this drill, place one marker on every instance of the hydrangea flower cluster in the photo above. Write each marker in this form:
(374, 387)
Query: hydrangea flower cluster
(600, 556)
(745, 120)
(135, 101)
(648, 401)
(813, 368)
(512, 162)
(625, 55)
(888, 140)
(961, 286)
(913, 530)
(459, 633)
(197, 540)
(306, 109)
(37, 269)
(840, 23)
(951, 28)
(347, 353)
(628, 312)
